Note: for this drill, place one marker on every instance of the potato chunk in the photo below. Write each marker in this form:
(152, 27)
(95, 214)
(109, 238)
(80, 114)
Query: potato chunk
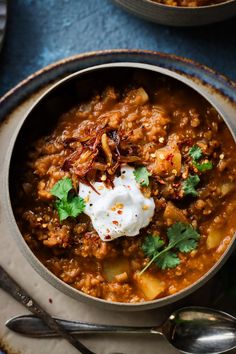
(167, 161)
(112, 268)
(149, 285)
(226, 188)
(214, 238)
(174, 214)
(216, 233)
(140, 96)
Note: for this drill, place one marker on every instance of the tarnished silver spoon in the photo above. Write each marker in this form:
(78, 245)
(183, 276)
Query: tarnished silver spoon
(197, 330)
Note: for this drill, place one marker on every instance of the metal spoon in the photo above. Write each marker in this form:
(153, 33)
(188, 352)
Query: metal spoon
(191, 329)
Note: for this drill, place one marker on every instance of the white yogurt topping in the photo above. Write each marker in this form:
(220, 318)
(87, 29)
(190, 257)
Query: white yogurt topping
(120, 211)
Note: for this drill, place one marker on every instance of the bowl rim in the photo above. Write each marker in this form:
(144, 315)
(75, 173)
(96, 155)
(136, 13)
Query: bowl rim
(187, 8)
(30, 256)
(112, 52)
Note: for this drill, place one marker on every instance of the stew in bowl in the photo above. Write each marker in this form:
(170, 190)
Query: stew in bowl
(130, 195)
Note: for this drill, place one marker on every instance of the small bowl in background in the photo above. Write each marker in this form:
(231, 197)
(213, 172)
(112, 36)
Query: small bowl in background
(177, 15)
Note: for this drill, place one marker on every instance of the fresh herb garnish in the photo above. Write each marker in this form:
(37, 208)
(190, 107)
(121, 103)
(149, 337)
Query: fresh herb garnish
(62, 188)
(141, 175)
(190, 184)
(73, 206)
(204, 166)
(67, 204)
(182, 237)
(195, 152)
(167, 260)
(151, 245)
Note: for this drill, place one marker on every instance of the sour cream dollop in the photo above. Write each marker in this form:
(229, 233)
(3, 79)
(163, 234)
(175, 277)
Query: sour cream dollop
(120, 211)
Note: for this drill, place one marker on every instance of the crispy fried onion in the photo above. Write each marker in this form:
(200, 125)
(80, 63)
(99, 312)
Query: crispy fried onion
(106, 149)
(80, 162)
(99, 154)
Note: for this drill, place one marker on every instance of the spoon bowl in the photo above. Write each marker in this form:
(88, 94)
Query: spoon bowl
(200, 330)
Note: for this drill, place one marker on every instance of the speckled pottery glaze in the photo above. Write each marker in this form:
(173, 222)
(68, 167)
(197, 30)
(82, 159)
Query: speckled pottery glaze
(215, 88)
(178, 15)
(3, 19)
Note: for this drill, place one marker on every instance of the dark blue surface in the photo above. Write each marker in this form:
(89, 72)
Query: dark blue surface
(40, 32)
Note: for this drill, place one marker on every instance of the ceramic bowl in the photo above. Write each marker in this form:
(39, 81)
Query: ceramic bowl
(58, 98)
(179, 16)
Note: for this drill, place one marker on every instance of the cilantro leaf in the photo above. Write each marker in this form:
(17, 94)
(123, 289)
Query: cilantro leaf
(71, 207)
(204, 166)
(190, 184)
(151, 245)
(175, 232)
(168, 260)
(141, 175)
(195, 152)
(61, 207)
(182, 237)
(67, 204)
(62, 188)
(187, 246)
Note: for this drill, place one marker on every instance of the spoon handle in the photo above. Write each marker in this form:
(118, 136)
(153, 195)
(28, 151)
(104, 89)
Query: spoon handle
(32, 326)
(12, 288)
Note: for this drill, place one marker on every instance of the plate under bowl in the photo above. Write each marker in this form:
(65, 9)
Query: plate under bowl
(226, 114)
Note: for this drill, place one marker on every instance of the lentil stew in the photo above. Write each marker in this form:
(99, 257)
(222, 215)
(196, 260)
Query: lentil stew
(189, 3)
(188, 157)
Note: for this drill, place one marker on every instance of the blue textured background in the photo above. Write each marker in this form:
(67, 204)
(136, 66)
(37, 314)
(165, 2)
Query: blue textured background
(40, 32)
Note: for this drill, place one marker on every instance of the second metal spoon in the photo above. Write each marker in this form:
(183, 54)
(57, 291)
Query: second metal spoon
(195, 330)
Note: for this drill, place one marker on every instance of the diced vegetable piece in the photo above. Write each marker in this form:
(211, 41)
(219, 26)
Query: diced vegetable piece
(214, 238)
(121, 278)
(141, 96)
(150, 285)
(112, 268)
(226, 188)
(174, 214)
(168, 161)
(217, 234)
